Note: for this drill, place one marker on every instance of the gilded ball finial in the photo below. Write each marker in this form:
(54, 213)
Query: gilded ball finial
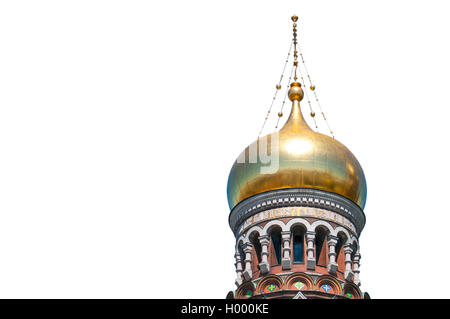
(294, 18)
(295, 92)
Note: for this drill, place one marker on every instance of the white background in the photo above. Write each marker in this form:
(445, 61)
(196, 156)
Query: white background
(120, 120)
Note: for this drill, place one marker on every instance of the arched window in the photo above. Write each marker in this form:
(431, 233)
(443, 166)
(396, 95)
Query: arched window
(242, 254)
(340, 256)
(321, 247)
(275, 236)
(298, 249)
(298, 245)
(256, 251)
(354, 250)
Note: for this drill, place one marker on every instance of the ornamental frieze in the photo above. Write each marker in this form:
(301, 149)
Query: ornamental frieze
(281, 212)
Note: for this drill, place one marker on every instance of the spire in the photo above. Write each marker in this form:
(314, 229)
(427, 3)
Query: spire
(294, 19)
(295, 93)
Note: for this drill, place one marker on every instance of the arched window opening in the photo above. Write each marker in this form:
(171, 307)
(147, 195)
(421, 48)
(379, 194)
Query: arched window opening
(298, 249)
(275, 237)
(342, 239)
(254, 240)
(242, 254)
(298, 245)
(354, 250)
(321, 247)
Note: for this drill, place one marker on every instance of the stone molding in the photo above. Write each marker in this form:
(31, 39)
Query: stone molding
(304, 197)
(322, 216)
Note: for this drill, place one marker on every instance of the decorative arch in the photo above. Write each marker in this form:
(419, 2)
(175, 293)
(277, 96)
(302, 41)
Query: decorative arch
(255, 228)
(296, 222)
(324, 224)
(352, 291)
(328, 284)
(230, 295)
(354, 241)
(245, 291)
(341, 230)
(240, 242)
(269, 284)
(298, 281)
(271, 224)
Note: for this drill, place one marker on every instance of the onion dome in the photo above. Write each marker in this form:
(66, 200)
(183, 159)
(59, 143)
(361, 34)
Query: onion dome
(306, 159)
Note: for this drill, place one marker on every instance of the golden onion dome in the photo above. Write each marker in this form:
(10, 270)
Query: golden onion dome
(307, 159)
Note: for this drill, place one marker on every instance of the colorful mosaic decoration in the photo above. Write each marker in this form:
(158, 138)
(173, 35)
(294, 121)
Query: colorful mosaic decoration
(248, 294)
(299, 285)
(349, 295)
(326, 288)
(271, 287)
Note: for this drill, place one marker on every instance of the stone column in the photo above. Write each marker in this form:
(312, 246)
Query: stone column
(356, 269)
(310, 260)
(264, 264)
(248, 261)
(332, 265)
(348, 274)
(286, 239)
(238, 257)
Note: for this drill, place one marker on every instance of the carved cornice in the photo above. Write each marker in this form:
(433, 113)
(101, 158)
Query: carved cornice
(297, 197)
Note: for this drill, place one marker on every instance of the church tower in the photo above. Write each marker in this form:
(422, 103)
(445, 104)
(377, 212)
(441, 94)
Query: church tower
(296, 198)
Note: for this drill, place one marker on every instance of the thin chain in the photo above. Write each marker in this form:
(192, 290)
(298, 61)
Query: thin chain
(280, 114)
(278, 87)
(313, 114)
(313, 88)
